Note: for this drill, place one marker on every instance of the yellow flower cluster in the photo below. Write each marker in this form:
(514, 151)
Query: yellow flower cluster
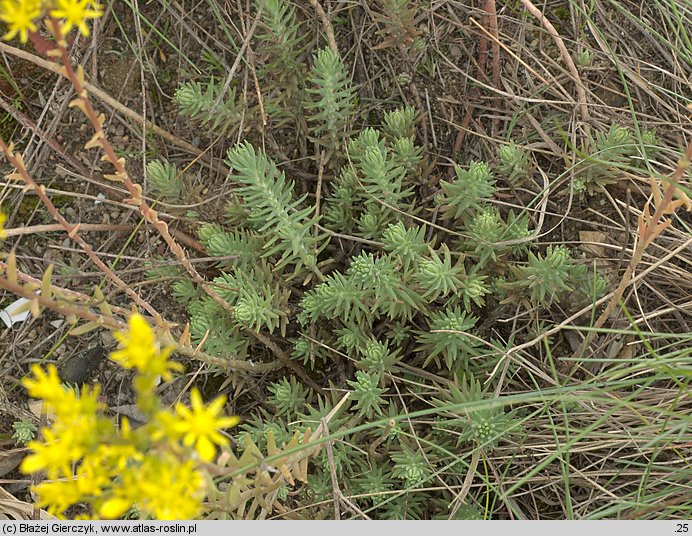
(141, 352)
(157, 467)
(21, 15)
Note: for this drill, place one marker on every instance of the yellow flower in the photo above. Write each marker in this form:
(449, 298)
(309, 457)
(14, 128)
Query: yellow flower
(3, 219)
(76, 13)
(163, 486)
(141, 351)
(93, 476)
(171, 489)
(45, 386)
(19, 15)
(122, 451)
(73, 414)
(52, 454)
(57, 496)
(70, 407)
(139, 344)
(114, 508)
(199, 426)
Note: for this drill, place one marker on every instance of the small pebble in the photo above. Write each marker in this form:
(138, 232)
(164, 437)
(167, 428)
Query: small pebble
(106, 338)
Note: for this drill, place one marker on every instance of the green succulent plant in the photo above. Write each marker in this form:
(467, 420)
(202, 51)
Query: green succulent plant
(613, 153)
(165, 180)
(479, 420)
(550, 275)
(367, 394)
(288, 396)
(368, 291)
(515, 163)
(281, 70)
(411, 466)
(447, 339)
(472, 187)
(332, 102)
(206, 104)
(24, 431)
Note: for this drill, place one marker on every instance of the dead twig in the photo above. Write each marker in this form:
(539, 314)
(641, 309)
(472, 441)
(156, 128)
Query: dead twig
(489, 26)
(326, 25)
(491, 10)
(105, 98)
(238, 58)
(579, 86)
(86, 227)
(16, 160)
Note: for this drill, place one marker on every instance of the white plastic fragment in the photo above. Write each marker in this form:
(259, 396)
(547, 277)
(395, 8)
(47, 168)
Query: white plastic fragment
(12, 314)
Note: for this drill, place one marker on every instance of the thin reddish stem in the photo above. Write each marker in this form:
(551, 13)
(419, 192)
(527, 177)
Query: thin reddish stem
(72, 229)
